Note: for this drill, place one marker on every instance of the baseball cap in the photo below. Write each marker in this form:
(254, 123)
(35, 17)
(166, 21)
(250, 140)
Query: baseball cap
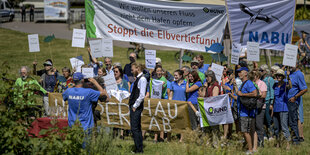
(280, 72)
(78, 76)
(48, 63)
(242, 69)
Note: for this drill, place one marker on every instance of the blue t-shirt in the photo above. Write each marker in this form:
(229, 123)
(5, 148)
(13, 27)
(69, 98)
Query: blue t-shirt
(192, 96)
(247, 88)
(79, 101)
(168, 87)
(280, 95)
(123, 85)
(204, 68)
(231, 86)
(298, 84)
(179, 91)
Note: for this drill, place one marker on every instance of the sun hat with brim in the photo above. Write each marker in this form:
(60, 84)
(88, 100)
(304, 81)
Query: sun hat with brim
(242, 69)
(77, 76)
(158, 60)
(48, 63)
(280, 72)
(194, 61)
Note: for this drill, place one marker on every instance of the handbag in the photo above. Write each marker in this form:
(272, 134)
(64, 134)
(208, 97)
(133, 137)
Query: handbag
(249, 103)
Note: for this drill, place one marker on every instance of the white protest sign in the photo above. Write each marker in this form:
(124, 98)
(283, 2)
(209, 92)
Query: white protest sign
(107, 47)
(150, 59)
(88, 72)
(157, 87)
(252, 51)
(120, 94)
(110, 83)
(33, 41)
(235, 53)
(290, 55)
(218, 71)
(78, 38)
(76, 63)
(96, 48)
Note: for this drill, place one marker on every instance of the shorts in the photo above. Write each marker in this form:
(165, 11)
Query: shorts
(247, 124)
(301, 111)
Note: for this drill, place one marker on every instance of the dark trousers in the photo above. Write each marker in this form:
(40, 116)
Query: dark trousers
(192, 117)
(267, 114)
(135, 124)
(293, 119)
(23, 17)
(259, 125)
(31, 17)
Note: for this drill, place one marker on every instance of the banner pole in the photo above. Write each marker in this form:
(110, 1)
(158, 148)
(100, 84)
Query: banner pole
(181, 60)
(49, 46)
(35, 56)
(293, 22)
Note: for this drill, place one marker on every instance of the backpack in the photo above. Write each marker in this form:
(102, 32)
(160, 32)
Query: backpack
(249, 103)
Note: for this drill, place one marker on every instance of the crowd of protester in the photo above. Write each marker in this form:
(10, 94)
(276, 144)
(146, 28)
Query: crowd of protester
(277, 91)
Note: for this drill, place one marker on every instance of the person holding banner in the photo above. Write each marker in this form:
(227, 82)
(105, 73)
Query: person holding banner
(155, 92)
(213, 89)
(136, 101)
(299, 88)
(280, 109)
(178, 89)
(247, 117)
(192, 85)
(266, 77)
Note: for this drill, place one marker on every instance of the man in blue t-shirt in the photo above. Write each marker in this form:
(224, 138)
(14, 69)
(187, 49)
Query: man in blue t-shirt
(80, 101)
(247, 117)
(203, 68)
(298, 88)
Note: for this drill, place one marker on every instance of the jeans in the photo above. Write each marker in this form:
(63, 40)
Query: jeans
(192, 117)
(280, 119)
(301, 111)
(135, 124)
(267, 114)
(259, 125)
(293, 119)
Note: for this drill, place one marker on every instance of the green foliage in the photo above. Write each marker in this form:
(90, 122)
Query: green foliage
(302, 14)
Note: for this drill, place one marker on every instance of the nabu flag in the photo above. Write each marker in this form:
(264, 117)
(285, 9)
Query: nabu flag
(215, 111)
(267, 22)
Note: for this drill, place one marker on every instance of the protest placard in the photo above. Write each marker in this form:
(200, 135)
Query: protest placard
(218, 71)
(235, 53)
(252, 51)
(156, 88)
(96, 48)
(107, 47)
(76, 63)
(78, 38)
(150, 59)
(33, 41)
(110, 83)
(157, 115)
(290, 55)
(88, 72)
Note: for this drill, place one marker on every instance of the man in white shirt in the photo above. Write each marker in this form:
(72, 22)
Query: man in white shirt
(136, 100)
(108, 65)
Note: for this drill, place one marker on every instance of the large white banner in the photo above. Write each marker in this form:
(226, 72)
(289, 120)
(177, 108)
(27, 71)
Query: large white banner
(267, 22)
(215, 110)
(172, 24)
(55, 9)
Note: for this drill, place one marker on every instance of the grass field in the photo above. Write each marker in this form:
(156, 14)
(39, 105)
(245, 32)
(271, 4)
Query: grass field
(14, 50)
